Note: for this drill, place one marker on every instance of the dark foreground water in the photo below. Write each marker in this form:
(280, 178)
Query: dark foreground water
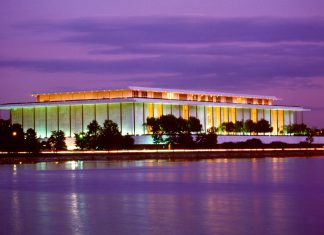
(248, 196)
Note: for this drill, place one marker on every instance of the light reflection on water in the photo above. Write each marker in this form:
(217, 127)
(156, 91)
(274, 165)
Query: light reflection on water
(223, 196)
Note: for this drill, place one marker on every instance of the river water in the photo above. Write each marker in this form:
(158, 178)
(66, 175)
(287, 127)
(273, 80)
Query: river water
(225, 196)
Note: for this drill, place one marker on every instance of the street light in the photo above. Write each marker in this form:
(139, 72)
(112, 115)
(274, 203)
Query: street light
(14, 133)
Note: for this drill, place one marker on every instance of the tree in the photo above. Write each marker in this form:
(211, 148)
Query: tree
(153, 126)
(297, 129)
(185, 140)
(168, 124)
(250, 126)
(177, 130)
(239, 126)
(310, 135)
(31, 142)
(182, 126)
(128, 142)
(57, 141)
(194, 124)
(92, 135)
(110, 137)
(81, 140)
(208, 140)
(13, 138)
(229, 127)
(263, 126)
(4, 134)
(16, 138)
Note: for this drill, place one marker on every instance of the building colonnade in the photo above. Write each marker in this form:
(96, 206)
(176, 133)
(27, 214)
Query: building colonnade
(130, 116)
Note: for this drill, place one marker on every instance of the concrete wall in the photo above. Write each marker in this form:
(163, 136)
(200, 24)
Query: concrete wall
(147, 139)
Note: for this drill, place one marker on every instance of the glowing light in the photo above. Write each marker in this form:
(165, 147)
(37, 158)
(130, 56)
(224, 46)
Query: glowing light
(14, 169)
(14, 133)
(74, 165)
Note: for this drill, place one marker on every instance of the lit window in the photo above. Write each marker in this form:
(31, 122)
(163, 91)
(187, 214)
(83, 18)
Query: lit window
(144, 94)
(183, 96)
(249, 101)
(229, 99)
(135, 93)
(157, 95)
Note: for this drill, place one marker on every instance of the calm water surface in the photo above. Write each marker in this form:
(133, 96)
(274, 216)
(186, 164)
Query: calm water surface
(234, 196)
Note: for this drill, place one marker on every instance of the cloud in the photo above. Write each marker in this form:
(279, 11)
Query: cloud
(189, 70)
(190, 29)
(234, 53)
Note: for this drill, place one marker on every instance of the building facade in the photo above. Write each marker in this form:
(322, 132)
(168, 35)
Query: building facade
(130, 107)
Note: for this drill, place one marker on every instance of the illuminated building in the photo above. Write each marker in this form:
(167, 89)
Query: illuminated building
(129, 108)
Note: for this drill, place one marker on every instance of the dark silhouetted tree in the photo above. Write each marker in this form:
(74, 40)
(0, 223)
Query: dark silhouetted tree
(297, 129)
(57, 141)
(185, 140)
(208, 140)
(110, 137)
(153, 126)
(31, 142)
(194, 125)
(239, 126)
(5, 135)
(81, 140)
(263, 126)
(16, 138)
(250, 126)
(92, 135)
(168, 129)
(230, 127)
(128, 142)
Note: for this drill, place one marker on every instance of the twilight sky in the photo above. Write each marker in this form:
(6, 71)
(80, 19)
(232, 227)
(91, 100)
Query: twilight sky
(253, 46)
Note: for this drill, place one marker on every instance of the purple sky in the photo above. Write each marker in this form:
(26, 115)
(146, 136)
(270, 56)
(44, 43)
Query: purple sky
(252, 46)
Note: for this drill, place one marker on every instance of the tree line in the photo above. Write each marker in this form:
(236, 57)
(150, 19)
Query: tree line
(173, 131)
(14, 139)
(263, 126)
(248, 126)
(104, 137)
(167, 129)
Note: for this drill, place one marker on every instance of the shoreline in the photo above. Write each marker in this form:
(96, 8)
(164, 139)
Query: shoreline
(159, 154)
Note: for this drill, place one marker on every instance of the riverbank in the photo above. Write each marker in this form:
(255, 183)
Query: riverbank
(177, 154)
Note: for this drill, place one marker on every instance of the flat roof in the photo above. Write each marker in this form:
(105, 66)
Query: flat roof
(147, 100)
(215, 93)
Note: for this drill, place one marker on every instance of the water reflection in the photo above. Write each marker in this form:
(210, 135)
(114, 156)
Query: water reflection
(249, 196)
(278, 170)
(16, 213)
